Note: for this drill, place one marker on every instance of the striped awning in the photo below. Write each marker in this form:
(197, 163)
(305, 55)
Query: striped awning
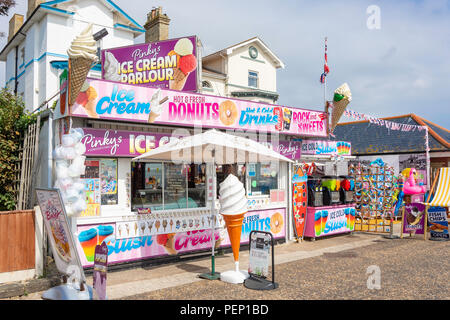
(442, 195)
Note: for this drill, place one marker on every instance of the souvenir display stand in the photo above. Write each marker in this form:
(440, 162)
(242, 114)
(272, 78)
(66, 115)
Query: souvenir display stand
(374, 189)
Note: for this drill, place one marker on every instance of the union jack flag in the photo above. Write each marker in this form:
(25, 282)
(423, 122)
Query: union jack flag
(326, 69)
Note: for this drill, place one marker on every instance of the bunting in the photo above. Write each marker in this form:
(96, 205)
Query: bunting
(383, 123)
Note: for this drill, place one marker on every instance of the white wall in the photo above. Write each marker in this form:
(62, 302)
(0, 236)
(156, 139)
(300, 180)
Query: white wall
(239, 67)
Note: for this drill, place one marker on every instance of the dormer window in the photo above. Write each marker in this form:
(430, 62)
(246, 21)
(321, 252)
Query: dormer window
(253, 79)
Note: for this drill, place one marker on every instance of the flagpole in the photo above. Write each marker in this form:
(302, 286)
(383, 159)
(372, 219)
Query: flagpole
(325, 63)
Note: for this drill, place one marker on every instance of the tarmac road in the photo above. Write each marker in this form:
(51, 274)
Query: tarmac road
(410, 269)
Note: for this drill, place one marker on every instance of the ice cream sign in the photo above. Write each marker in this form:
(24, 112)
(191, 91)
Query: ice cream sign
(326, 147)
(101, 99)
(170, 64)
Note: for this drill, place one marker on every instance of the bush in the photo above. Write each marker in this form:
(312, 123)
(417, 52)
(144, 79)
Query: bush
(14, 121)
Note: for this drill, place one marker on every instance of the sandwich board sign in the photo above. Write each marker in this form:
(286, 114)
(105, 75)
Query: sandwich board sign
(63, 247)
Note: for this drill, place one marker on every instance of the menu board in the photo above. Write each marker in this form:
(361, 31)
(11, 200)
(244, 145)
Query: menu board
(91, 181)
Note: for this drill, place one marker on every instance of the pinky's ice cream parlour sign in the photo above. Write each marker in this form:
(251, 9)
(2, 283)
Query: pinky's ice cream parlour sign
(101, 99)
(170, 64)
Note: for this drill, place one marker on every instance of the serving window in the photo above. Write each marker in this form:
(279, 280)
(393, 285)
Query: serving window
(101, 185)
(262, 177)
(167, 186)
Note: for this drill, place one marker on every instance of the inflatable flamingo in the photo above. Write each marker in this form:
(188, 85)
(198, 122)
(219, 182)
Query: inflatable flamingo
(410, 186)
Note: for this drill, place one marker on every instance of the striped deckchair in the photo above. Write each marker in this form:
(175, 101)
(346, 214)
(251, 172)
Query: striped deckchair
(442, 195)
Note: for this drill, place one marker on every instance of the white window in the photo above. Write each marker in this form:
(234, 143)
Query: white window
(253, 79)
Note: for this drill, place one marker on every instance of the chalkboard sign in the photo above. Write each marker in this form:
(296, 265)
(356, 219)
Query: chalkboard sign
(260, 244)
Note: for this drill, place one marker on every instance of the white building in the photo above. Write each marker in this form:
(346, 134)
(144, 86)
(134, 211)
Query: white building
(247, 70)
(36, 51)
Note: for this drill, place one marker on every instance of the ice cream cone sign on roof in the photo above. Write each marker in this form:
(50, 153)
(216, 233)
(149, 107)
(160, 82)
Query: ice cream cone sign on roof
(82, 55)
(341, 99)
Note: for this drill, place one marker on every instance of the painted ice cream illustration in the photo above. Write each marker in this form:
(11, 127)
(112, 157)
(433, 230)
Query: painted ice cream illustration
(186, 63)
(168, 242)
(88, 241)
(111, 68)
(324, 220)
(318, 223)
(104, 232)
(156, 105)
(82, 55)
(86, 98)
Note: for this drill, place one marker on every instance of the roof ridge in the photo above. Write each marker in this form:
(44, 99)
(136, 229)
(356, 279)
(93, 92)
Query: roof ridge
(435, 135)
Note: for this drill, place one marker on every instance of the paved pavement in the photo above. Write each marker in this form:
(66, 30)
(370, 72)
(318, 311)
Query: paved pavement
(331, 268)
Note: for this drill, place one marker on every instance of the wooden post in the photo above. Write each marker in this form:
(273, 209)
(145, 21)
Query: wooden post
(426, 205)
(403, 221)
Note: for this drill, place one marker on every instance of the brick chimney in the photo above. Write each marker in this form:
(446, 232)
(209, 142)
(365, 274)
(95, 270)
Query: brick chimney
(14, 25)
(157, 26)
(32, 4)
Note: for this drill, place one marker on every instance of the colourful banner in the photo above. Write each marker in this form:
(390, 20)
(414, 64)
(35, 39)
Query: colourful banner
(326, 147)
(169, 64)
(144, 247)
(384, 123)
(108, 100)
(118, 143)
(100, 270)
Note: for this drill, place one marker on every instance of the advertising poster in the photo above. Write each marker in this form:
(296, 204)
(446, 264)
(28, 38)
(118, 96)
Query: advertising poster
(416, 161)
(115, 101)
(414, 218)
(62, 108)
(299, 201)
(334, 221)
(438, 223)
(259, 255)
(108, 181)
(170, 64)
(59, 233)
(91, 181)
(152, 246)
(100, 270)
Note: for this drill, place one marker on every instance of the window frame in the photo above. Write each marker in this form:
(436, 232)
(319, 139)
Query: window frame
(253, 78)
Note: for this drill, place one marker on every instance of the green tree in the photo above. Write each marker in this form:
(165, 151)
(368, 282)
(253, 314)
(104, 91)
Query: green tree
(5, 5)
(14, 120)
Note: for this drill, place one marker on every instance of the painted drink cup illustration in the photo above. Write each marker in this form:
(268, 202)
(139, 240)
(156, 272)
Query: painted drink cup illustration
(318, 223)
(104, 232)
(324, 218)
(352, 218)
(278, 111)
(287, 117)
(88, 241)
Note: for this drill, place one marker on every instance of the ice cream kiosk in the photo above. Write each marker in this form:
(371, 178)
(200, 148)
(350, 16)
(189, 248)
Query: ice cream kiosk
(153, 209)
(331, 209)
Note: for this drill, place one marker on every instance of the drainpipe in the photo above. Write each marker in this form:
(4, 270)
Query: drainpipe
(15, 78)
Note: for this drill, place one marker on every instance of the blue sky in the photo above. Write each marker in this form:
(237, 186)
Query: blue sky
(401, 68)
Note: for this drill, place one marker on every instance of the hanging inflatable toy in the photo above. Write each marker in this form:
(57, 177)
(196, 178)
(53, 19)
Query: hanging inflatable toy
(410, 187)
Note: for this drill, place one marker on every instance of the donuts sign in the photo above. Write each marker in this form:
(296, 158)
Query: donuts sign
(115, 101)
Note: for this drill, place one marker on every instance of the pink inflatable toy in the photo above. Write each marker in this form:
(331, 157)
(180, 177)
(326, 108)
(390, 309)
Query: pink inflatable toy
(410, 187)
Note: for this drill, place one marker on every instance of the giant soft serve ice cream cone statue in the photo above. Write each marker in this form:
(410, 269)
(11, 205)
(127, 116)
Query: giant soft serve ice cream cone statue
(82, 55)
(342, 97)
(233, 207)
